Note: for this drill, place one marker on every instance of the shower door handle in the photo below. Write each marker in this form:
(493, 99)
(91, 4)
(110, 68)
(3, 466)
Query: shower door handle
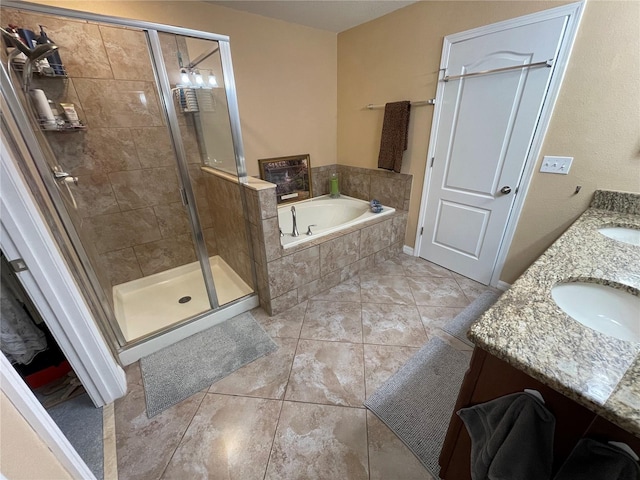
(183, 196)
(58, 174)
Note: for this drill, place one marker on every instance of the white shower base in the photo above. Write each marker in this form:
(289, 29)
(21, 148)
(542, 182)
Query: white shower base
(150, 304)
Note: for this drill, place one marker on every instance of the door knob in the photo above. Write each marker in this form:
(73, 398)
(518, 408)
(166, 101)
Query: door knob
(506, 190)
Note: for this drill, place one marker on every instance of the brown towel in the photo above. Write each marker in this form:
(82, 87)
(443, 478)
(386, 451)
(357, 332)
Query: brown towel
(395, 133)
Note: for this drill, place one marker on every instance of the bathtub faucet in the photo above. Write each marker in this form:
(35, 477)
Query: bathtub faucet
(295, 225)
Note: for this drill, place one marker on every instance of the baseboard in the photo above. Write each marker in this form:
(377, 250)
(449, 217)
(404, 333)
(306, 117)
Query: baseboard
(408, 250)
(504, 286)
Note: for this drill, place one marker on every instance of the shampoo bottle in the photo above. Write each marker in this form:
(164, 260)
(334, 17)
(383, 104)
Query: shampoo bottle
(55, 60)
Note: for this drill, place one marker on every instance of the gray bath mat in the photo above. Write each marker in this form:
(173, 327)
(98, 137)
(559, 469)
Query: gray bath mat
(459, 326)
(417, 401)
(184, 368)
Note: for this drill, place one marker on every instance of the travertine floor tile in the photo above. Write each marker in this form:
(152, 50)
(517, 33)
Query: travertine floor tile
(327, 372)
(382, 361)
(437, 292)
(347, 291)
(471, 288)
(265, 377)
(319, 442)
(333, 321)
(385, 289)
(389, 324)
(287, 324)
(389, 267)
(419, 267)
(145, 445)
(230, 437)
(434, 318)
(389, 458)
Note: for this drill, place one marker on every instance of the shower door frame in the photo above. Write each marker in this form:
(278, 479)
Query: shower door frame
(131, 351)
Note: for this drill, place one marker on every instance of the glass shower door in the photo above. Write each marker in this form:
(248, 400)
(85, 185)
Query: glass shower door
(195, 74)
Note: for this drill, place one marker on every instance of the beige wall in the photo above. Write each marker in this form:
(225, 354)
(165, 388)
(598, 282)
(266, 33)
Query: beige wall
(596, 119)
(23, 454)
(285, 73)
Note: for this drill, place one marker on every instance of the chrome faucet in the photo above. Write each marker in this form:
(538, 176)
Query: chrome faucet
(295, 225)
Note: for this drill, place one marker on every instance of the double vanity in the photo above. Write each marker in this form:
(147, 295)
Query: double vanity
(569, 327)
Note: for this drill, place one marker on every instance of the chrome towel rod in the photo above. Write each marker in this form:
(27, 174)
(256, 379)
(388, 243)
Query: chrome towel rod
(546, 63)
(432, 101)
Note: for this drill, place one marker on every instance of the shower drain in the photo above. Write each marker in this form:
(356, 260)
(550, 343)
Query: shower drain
(185, 299)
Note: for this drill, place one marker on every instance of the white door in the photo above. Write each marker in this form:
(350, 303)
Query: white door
(484, 129)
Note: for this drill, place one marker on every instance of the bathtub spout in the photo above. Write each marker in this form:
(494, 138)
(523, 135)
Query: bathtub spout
(295, 225)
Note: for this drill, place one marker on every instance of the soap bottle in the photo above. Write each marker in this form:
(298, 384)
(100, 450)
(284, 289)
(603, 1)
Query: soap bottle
(334, 189)
(55, 60)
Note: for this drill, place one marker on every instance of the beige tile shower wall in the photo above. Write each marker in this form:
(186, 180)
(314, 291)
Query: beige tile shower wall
(288, 277)
(227, 214)
(129, 210)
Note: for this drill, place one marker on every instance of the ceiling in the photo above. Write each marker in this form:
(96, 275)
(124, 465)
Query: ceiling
(332, 15)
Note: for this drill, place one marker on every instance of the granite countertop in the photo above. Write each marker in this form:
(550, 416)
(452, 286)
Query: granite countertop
(529, 331)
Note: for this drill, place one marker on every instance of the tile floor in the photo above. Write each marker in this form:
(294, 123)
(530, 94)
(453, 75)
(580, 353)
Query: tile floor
(297, 413)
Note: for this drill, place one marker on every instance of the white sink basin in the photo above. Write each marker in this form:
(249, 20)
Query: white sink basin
(622, 234)
(606, 309)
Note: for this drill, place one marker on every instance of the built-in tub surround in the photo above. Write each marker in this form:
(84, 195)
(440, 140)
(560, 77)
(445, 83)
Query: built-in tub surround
(322, 216)
(528, 330)
(290, 276)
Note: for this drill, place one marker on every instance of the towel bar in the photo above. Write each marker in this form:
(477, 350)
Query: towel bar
(431, 101)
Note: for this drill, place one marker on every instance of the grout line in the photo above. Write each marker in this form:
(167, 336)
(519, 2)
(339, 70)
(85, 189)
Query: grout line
(307, 402)
(284, 395)
(184, 433)
(110, 453)
(273, 440)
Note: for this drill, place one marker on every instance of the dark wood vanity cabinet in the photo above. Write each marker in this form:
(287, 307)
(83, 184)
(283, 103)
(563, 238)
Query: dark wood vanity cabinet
(488, 378)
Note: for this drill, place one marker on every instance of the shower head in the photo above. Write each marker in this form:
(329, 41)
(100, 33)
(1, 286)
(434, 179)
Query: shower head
(34, 54)
(41, 51)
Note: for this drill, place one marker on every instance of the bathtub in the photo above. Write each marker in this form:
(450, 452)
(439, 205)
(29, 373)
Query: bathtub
(328, 214)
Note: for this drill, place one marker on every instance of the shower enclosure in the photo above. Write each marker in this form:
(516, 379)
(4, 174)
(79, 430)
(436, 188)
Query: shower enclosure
(147, 180)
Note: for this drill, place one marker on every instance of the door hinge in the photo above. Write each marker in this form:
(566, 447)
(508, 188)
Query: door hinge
(432, 159)
(18, 265)
(421, 230)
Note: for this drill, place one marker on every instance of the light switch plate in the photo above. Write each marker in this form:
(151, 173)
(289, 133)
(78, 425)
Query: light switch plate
(560, 165)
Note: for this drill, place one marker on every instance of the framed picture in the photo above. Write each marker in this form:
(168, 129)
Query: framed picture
(292, 175)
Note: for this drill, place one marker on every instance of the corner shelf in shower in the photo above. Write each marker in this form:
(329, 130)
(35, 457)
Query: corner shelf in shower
(67, 128)
(19, 68)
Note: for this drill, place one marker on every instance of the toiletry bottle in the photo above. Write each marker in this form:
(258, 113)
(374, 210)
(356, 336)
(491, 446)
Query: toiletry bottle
(55, 60)
(334, 190)
(28, 37)
(45, 115)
